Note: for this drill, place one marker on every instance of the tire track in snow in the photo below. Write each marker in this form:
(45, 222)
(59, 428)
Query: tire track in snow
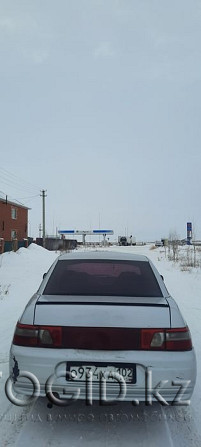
(12, 417)
(112, 426)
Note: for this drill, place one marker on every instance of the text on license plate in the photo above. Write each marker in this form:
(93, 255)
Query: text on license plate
(79, 372)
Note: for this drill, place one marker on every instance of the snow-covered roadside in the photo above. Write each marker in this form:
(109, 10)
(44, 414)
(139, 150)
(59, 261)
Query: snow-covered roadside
(81, 425)
(185, 287)
(20, 276)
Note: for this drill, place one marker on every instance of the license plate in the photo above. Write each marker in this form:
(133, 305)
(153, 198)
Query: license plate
(79, 370)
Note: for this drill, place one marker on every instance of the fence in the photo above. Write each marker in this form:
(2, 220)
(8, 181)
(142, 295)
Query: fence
(55, 244)
(14, 245)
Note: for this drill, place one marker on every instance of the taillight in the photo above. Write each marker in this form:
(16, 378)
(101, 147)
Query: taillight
(38, 336)
(25, 335)
(178, 339)
(152, 339)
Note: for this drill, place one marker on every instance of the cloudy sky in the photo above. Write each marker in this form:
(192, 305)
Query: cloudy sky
(100, 105)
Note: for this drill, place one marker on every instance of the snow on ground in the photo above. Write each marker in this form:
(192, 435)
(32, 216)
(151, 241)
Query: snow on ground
(20, 276)
(78, 425)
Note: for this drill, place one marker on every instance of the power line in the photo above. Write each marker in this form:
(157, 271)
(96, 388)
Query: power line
(13, 182)
(14, 185)
(15, 178)
(27, 202)
(30, 197)
(11, 199)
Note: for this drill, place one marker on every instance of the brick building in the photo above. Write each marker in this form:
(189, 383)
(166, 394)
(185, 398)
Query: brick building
(13, 220)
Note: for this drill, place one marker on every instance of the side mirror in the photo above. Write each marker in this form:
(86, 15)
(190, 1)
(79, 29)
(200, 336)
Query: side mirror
(44, 275)
(162, 277)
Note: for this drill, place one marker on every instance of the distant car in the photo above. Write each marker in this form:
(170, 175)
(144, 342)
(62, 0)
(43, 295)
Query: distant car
(158, 244)
(122, 240)
(126, 240)
(98, 316)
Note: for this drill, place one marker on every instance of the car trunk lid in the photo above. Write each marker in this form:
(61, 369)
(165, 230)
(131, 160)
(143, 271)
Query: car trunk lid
(122, 312)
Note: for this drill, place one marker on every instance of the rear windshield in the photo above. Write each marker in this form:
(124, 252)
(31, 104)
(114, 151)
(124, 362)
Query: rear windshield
(103, 278)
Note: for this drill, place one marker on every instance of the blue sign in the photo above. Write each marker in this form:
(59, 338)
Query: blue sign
(103, 231)
(189, 226)
(66, 231)
(86, 232)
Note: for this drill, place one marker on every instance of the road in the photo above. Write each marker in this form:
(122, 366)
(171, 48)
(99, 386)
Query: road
(79, 425)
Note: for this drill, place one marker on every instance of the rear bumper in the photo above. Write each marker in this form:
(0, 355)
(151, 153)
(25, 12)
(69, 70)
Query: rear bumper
(165, 367)
(77, 391)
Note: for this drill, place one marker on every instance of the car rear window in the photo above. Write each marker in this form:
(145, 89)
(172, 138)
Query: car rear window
(103, 278)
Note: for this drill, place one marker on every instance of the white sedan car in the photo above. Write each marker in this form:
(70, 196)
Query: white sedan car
(102, 325)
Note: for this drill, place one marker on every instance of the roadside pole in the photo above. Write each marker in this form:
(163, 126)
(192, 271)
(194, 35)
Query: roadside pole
(43, 195)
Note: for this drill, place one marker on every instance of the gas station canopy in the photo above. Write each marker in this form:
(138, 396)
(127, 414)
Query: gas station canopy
(84, 233)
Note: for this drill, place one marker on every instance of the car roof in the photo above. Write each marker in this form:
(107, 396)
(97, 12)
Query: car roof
(102, 255)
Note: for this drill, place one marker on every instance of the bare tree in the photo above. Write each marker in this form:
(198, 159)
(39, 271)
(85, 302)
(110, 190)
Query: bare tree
(173, 244)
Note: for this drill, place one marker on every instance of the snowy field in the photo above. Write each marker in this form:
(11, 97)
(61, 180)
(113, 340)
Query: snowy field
(78, 425)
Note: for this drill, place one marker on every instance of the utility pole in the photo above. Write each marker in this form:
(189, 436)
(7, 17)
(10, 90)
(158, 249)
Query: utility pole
(43, 195)
(40, 230)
